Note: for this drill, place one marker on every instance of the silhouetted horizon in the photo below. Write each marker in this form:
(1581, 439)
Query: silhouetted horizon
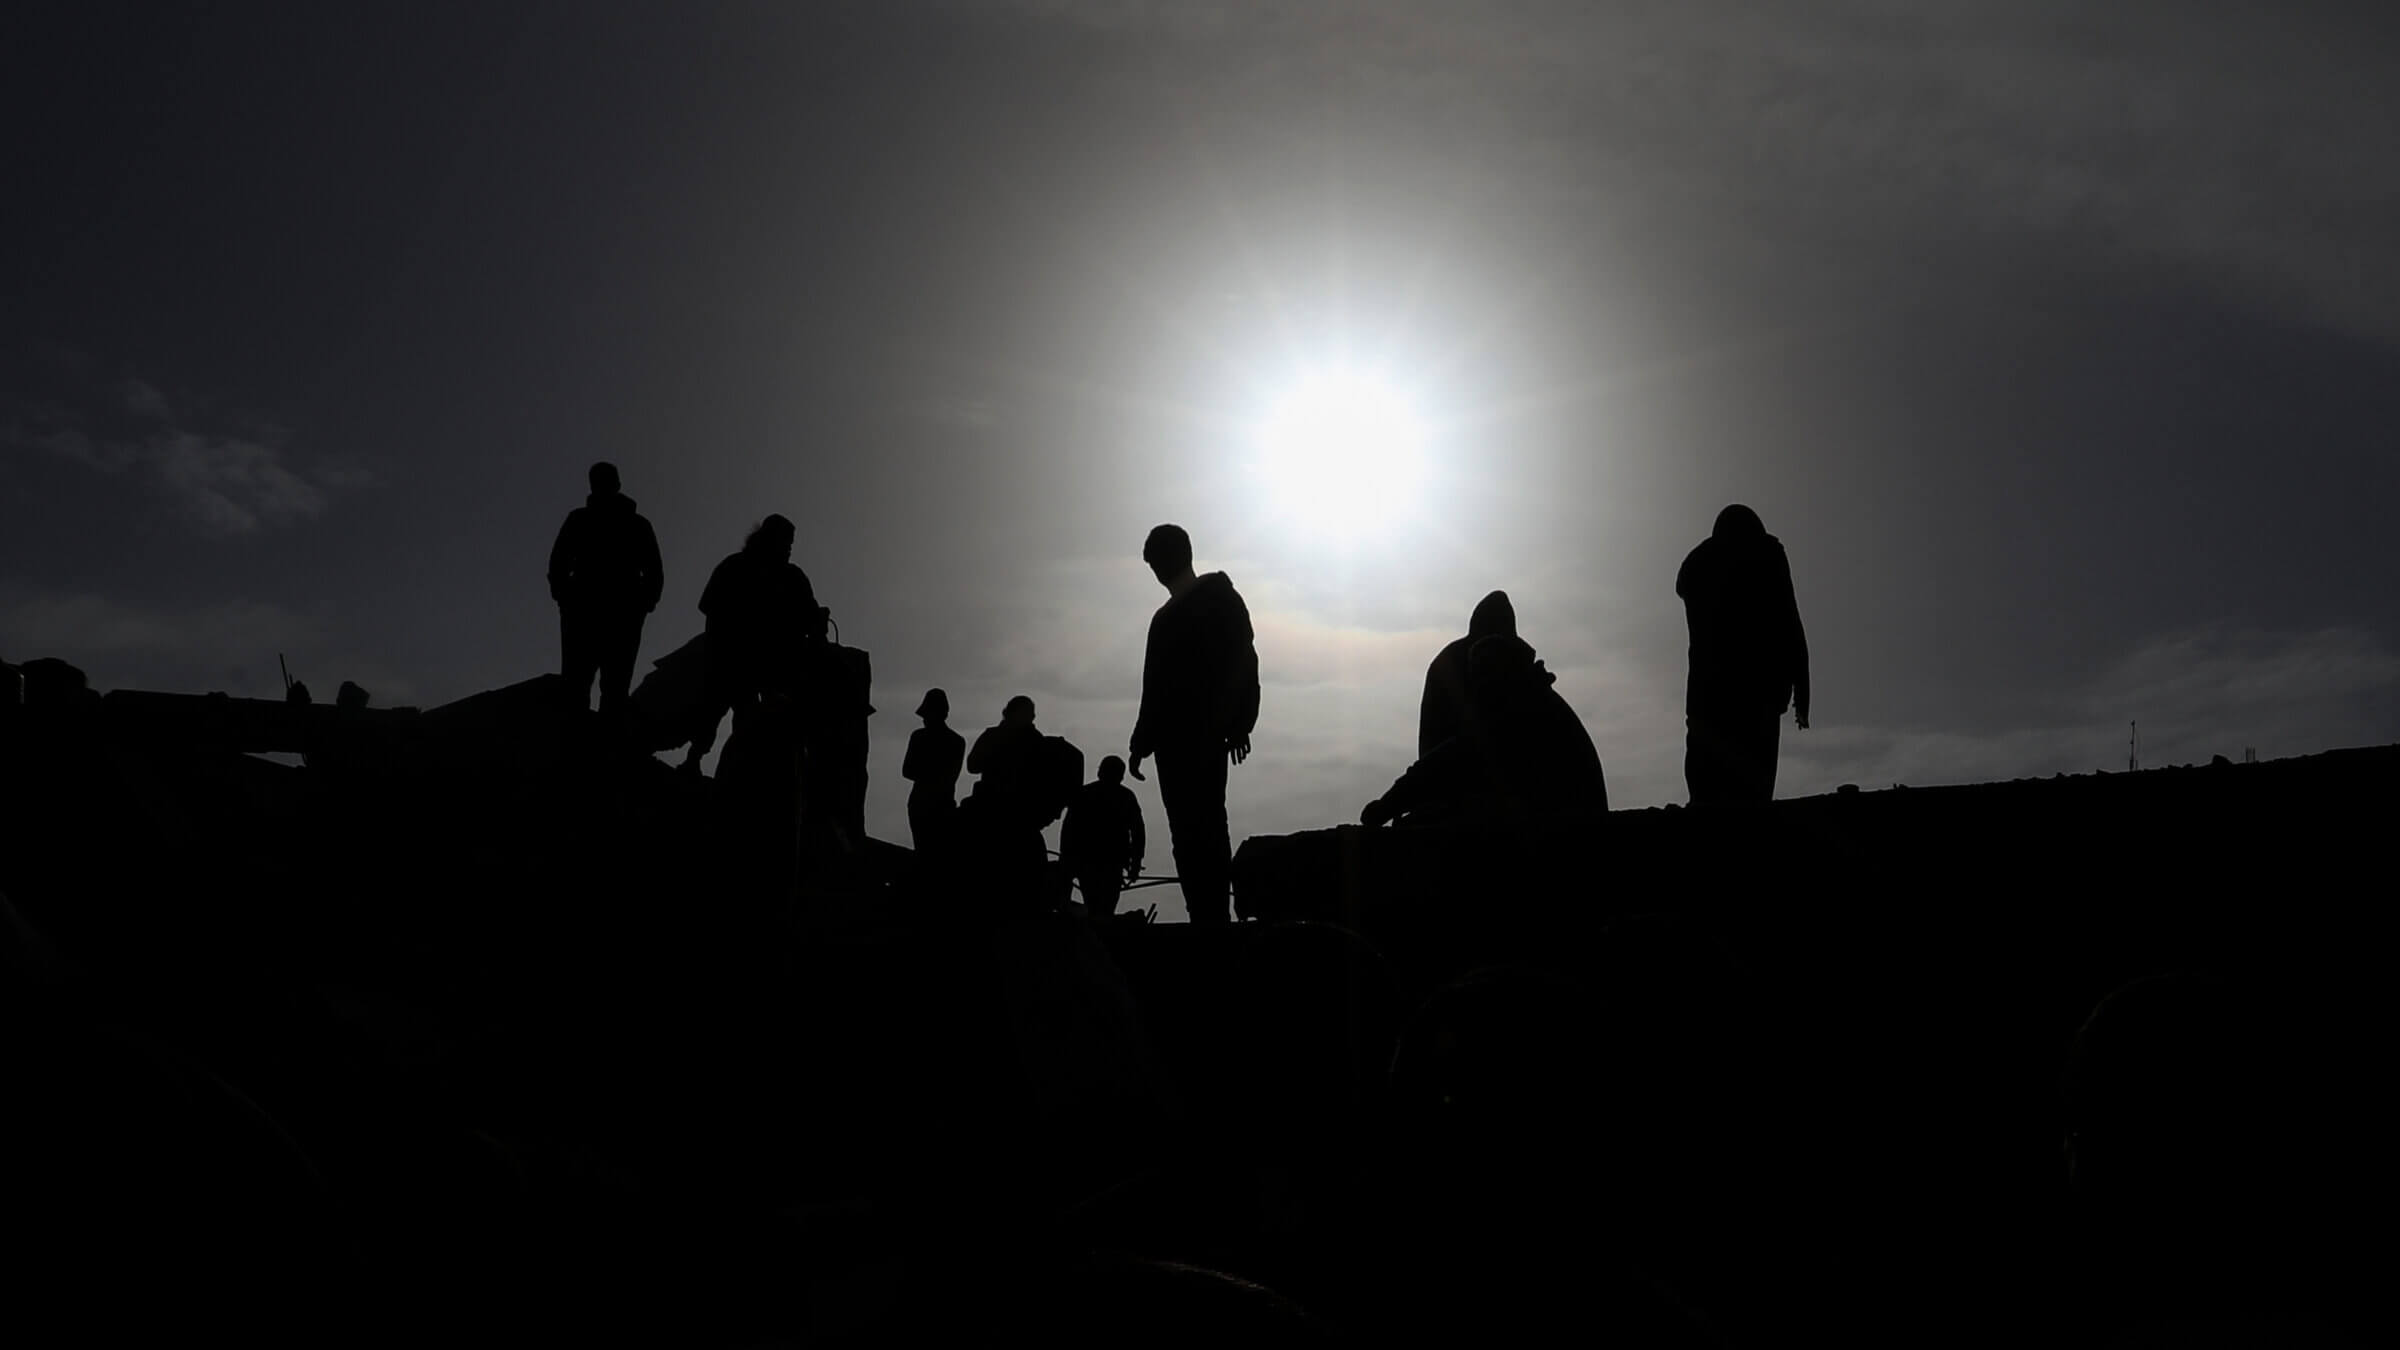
(2054, 341)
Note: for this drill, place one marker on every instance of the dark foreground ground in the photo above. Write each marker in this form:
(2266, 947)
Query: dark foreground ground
(486, 1034)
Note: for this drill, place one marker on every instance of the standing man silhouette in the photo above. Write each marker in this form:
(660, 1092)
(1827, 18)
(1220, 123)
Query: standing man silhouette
(1749, 660)
(1199, 706)
(606, 577)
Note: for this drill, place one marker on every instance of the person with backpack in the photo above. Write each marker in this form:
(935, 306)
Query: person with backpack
(1001, 822)
(605, 576)
(1102, 841)
(760, 609)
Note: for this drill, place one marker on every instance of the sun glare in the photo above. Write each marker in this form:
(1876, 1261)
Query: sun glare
(1343, 453)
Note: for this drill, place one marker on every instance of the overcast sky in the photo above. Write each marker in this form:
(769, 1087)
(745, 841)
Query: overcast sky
(2059, 342)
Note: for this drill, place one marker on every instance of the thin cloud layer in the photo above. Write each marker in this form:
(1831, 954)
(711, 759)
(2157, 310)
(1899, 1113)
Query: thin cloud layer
(221, 482)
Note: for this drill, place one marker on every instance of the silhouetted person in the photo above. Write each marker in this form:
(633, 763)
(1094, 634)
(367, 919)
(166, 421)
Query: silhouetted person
(1749, 659)
(931, 766)
(1102, 841)
(606, 577)
(760, 607)
(1199, 706)
(1000, 823)
(1007, 759)
(1442, 713)
(1523, 752)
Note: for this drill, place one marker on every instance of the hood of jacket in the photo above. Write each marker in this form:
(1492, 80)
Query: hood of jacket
(1209, 590)
(1494, 617)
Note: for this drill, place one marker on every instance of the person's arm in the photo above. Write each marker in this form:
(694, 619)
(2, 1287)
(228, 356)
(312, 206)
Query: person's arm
(654, 570)
(1144, 739)
(1431, 781)
(1797, 647)
(1241, 677)
(1426, 714)
(812, 616)
(912, 760)
(562, 559)
(975, 752)
(1139, 840)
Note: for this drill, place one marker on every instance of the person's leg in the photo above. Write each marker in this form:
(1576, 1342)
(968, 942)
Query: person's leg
(1704, 756)
(1192, 784)
(623, 645)
(1766, 746)
(579, 657)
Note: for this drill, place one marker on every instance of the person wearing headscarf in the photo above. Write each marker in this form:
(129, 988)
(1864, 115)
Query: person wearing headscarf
(1749, 660)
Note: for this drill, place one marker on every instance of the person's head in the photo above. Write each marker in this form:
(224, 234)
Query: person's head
(603, 477)
(772, 538)
(1168, 550)
(1017, 710)
(1494, 617)
(935, 707)
(1112, 769)
(1738, 522)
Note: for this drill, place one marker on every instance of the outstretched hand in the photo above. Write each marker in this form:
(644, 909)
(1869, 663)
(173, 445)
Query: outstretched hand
(1237, 750)
(1133, 765)
(1376, 812)
(1133, 871)
(1800, 718)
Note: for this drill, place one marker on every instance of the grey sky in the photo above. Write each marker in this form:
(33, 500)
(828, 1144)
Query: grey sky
(2055, 340)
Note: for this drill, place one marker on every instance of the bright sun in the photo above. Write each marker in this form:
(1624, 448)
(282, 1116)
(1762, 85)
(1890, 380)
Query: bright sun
(1343, 453)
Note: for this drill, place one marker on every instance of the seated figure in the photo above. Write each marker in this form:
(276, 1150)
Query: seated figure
(1522, 750)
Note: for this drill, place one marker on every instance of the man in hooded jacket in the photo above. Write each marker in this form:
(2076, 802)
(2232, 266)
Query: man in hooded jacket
(606, 577)
(1199, 706)
(1442, 714)
(1749, 659)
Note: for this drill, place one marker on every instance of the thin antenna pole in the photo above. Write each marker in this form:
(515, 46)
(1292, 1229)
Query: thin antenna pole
(287, 672)
(2133, 749)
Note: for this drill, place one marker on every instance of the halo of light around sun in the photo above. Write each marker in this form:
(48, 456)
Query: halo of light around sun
(1343, 453)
